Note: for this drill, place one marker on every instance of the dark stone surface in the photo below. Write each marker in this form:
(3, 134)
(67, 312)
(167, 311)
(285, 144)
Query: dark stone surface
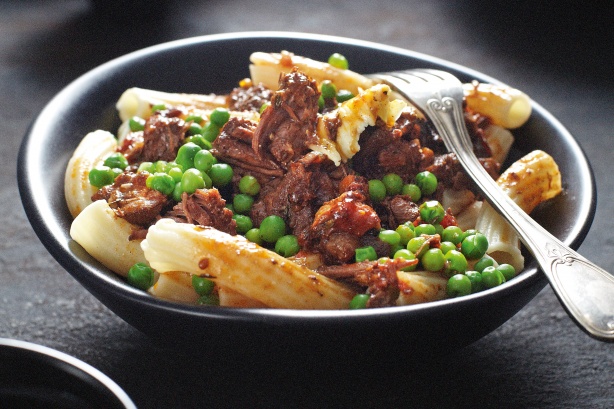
(561, 57)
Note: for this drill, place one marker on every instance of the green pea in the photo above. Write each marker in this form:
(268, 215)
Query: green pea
(338, 61)
(484, 262)
(220, 174)
(194, 118)
(476, 280)
(176, 173)
(418, 246)
(146, 167)
(195, 129)
(377, 190)
(407, 255)
(162, 182)
(321, 103)
(365, 254)
(468, 233)
(204, 160)
(136, 124)
(359, 301)
(242, 203)
(209, 299)
(177, 192)
(413, 191)
(185, 155)
(211, 131)
(287, 245)
(244, 223)
(344, 95)
(219, 116)
(491, 277)
(446, 246)
(272, 228)
(116, 160)
(141, 276)
(393, 184)
(452, 234)
(474, 247)
(425, 228)
(455, 262)
(192, 180)
(253, 235)
(199, 140)
(101, 176)
(202, 285)
(157, 108)
(432, 212)
(458, 286)
(249, 185)
(433, 260)
(390, 236)
(405, 233)
(328, 89)
(507, 270)
(427, 182)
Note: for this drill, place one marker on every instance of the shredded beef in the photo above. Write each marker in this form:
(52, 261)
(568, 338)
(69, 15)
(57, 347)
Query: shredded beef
(233, 146)
(249, 99)
(163, 135)
(338, 219)
(380, 279)
(287, 126)
(396, 210)
(205, 207)
(132, 200)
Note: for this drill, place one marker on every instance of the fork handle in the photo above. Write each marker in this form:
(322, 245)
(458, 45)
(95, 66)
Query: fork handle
(584, 289)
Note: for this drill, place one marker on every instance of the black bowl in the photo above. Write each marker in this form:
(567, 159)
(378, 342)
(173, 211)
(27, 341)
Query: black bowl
(215, 64)
(34, 376)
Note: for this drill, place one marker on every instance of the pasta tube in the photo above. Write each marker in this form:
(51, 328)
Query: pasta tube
(529, 181)
(499, 141)
(175, 286)
(505, 106)
(240, 265)
(420, 287)
(105, 236)
(267, 67)
(138, 101)
(92, 151)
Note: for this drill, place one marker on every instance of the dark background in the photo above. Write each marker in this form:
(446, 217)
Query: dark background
(562, 57)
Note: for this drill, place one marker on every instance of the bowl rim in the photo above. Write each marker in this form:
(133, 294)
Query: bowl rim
(68, 364)
(89, 275)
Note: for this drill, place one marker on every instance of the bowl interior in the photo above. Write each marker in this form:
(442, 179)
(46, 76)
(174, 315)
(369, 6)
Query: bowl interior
(216, 64)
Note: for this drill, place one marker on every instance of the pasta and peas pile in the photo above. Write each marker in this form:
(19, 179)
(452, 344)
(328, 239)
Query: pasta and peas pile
(308, 186)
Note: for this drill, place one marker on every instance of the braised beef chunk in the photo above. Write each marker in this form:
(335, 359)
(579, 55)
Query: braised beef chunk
(288, 197)
(380, 279)
(397, 210)
(160, 140)
(287, 126)
(205, 207)
(162, 137)
(341, 222)
(397, 150)
(476, 124)
(132, 200)
(249, 98)
(234, 146)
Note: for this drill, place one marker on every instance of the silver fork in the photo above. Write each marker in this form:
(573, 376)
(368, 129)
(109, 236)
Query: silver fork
(584, 289)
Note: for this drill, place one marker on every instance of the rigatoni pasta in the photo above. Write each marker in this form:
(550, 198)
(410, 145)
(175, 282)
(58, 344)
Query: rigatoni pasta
(308, 186)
